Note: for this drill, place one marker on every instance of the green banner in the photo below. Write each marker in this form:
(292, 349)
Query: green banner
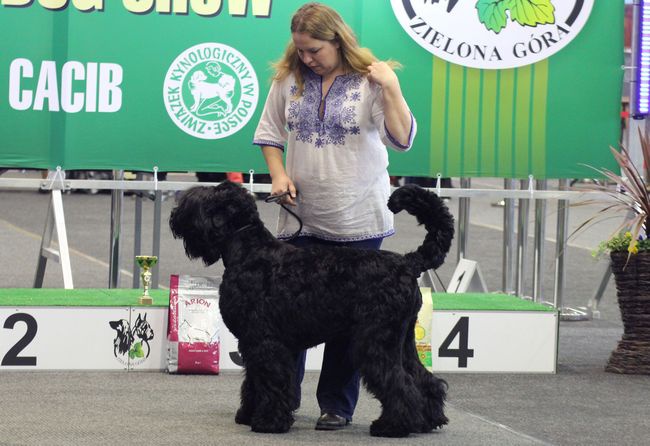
(180, 84)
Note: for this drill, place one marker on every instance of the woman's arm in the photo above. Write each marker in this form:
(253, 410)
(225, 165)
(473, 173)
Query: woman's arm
(281, 182)
(397, 115)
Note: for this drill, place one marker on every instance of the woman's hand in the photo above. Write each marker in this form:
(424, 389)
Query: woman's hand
(397, 116)
(280, 181)
(383, 75)
(282, 184)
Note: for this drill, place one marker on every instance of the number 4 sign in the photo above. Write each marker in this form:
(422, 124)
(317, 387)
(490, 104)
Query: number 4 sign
(494, 341)
(460, 331)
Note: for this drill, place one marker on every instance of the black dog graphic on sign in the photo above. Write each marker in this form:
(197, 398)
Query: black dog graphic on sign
(132, 340)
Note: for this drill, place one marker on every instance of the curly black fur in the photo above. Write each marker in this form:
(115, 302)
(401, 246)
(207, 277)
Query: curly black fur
(279, 300)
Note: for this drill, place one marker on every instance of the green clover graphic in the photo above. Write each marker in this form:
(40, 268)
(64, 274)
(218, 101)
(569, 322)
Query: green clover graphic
(136, 351)
(492, 13)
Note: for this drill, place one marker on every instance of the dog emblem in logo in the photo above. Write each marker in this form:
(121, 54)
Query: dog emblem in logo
(210, 91)
(132, 341)
(492, 34)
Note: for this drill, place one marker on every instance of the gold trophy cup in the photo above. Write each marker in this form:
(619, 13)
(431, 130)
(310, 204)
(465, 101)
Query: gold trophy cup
(146, 263)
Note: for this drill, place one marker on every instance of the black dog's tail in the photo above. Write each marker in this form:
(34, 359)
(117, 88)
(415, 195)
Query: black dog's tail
(431, 212)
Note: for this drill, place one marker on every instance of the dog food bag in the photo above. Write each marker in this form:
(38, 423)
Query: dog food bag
(193, 327)
(423, 329)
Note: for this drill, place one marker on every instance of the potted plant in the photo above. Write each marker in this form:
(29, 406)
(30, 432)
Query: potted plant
(629, 252)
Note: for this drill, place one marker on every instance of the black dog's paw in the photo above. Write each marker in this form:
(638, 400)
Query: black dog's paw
(440, 421)
(431, 425)
(386, 428)
(435, 421)
(243, 417)
(438, 417)
(272, 426)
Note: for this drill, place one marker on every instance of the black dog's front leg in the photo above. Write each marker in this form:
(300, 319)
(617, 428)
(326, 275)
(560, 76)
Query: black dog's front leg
(269, 388)
(245, 412)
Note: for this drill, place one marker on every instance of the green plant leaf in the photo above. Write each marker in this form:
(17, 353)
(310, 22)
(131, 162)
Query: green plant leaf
(532, 12)
(492, 13)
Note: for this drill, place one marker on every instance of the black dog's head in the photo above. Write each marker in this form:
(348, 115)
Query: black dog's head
(123, 338)
(206, 217)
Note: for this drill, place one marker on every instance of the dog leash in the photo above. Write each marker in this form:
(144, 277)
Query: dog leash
(278, 199)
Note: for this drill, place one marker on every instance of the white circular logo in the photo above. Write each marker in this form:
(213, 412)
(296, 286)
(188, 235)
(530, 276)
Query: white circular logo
(210, 91)
(492, 34)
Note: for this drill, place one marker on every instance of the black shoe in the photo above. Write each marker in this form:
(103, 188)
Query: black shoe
(331, 422)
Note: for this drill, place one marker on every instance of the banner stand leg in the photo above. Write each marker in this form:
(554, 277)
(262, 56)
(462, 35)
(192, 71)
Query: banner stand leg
(137, 234)
(566, 313)
(55, 219)
(594, 301)
(157, 212)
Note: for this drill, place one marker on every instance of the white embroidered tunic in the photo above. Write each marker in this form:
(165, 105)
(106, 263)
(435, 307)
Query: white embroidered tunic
(337, 161)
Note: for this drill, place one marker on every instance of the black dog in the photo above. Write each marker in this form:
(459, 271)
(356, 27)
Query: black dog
(279, 300)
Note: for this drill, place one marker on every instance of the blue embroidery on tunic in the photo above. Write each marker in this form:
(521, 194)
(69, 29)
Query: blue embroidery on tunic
(339, 119)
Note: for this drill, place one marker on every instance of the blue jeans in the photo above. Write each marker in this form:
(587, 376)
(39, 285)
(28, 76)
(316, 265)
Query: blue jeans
(338, 385)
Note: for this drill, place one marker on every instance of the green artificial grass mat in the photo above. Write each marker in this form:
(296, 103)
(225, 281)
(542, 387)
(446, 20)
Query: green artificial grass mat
(484, 302)
(87, 297)
(80, 297)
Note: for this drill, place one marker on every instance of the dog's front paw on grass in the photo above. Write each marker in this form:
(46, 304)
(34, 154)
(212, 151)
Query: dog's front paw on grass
(385, 428)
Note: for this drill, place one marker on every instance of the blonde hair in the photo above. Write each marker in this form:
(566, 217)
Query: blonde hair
(323, 23)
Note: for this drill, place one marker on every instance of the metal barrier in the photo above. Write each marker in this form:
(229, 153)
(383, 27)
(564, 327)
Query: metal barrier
(514, 271)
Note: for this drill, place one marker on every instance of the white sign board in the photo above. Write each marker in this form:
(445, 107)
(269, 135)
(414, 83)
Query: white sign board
(494, 341)
(467, 278)
(82, 338)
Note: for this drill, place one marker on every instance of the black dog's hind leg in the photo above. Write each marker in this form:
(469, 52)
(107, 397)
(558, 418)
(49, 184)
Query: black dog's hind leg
(270, 376)
(378, 350)
(432, 389)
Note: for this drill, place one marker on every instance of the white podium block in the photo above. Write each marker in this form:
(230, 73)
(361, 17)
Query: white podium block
(106, 329)
(510, 336)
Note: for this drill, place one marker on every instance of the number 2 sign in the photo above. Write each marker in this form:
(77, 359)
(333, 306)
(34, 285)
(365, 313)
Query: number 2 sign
(12, 357)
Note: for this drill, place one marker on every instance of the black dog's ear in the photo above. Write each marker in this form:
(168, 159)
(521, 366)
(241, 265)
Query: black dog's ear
(230, 208)
(205, 218)
(228, 185)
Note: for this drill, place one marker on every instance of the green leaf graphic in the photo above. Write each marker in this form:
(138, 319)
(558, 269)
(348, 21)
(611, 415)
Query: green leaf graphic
(532, 12)
(136, 351)
(492, 13)
(139, 353)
